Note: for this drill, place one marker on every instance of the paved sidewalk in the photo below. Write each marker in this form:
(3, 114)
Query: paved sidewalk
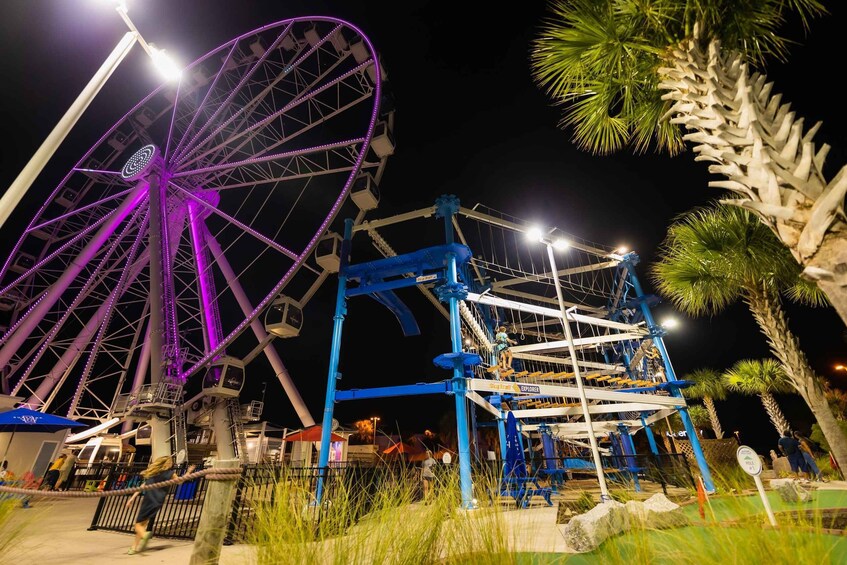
(56, 532)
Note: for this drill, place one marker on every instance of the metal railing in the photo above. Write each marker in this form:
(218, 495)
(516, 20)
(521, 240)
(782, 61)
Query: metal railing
(178, 517)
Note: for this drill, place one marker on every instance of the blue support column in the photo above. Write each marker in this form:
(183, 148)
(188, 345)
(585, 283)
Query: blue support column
(548, 447)
(628, 449)
(452, 291)
(657, 332)
(651, 439)
(332, 374)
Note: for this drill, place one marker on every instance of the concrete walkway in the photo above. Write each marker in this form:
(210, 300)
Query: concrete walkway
(56, 532)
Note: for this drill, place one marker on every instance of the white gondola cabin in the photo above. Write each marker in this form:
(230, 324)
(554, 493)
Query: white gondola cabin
(365, 192)
(383, 140)
(328, 252)
(224, 378)
(284, 318)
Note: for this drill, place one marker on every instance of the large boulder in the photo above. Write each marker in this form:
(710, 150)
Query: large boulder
(790, 490)
(586, 532)
(656, 512)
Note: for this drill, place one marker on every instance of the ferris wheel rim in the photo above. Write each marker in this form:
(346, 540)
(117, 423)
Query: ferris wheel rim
(298, 258)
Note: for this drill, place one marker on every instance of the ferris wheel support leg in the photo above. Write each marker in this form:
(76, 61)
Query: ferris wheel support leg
(34, 316)
(140, 373)
(260, 333)
(160, 432)
(37, 162)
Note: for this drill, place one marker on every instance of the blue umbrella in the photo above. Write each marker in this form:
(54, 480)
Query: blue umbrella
(26, 420)
(515, 464)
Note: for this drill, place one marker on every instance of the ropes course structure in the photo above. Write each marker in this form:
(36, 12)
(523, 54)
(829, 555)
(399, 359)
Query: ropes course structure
(199, 215)
(589, 362)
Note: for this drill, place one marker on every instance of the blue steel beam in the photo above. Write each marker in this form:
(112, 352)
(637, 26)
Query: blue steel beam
(442, 387)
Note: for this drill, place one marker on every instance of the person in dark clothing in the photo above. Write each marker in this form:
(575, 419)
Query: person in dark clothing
(158, 471)
(790, 447)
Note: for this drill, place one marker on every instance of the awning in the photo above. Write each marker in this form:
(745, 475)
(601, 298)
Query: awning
(312, 433)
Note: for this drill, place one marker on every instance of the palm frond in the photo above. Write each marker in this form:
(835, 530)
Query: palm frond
(757, 376)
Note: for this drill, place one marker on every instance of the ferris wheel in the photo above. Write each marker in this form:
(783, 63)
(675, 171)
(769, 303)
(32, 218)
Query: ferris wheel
(188, 218)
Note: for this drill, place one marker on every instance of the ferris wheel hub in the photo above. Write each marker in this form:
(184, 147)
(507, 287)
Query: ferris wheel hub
(140, 164)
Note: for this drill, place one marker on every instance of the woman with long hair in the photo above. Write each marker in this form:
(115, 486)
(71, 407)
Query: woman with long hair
(160, 470)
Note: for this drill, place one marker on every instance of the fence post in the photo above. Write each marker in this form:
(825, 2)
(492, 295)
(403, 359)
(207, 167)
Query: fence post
(214, 519)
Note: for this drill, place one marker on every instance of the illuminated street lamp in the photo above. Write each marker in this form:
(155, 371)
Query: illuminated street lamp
(536, 234)
(374, 419)
(840, 368)
(16, 191)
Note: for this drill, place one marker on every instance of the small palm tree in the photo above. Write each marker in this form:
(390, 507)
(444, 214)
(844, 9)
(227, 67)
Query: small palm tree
(716, 256)
(763, 378)
(636, 74)
(700, 417)
(708, 386)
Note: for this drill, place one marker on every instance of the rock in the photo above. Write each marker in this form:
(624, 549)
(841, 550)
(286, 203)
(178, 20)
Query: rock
(657, 512)
(586, 532)
(791, 491)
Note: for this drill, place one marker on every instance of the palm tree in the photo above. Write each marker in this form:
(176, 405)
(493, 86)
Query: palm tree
(700, 417)
(708, 386)
(763, 378)
(716, 256)
(636, 74)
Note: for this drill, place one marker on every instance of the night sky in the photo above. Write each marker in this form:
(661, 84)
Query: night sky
(470, 122)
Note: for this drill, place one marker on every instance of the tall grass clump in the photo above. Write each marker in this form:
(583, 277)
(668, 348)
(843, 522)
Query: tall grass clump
(12, 528)
(377, 520)
(736, 529)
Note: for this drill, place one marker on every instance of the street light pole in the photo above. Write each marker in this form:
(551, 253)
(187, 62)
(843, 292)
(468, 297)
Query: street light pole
(592, 439)
(374, 419)
(19, 187)
(16, 191)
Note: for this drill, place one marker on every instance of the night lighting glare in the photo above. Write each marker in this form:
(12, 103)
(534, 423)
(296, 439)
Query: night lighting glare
(535, 234)
(622, 250)
(670, 323)
(561, 244)
(166, 66)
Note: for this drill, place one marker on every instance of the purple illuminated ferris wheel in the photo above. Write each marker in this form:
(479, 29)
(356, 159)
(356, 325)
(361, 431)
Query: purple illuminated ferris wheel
(188, 218)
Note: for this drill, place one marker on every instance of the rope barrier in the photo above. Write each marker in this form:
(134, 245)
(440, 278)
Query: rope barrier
(212, 474)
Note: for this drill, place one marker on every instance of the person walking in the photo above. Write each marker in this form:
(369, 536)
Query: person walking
(52, 474)
(65, 472)
(790, 447)
(427, 476)
(809, 456)
(160, 470)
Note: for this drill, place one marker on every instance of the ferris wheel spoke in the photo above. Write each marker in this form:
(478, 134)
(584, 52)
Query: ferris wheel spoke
(268, 158)
(166, 154)
(202, 104)
(307, 94)
(245, 228)
(100, 277)
(225, 105)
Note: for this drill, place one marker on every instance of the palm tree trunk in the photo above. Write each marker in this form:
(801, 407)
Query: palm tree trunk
(767, 309)
(713, 416)
(778, 419)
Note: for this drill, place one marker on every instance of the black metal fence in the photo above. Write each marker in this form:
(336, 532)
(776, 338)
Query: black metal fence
(178, 517)
(262, 484)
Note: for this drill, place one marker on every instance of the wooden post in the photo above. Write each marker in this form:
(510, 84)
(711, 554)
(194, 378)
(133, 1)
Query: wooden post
(213, 521)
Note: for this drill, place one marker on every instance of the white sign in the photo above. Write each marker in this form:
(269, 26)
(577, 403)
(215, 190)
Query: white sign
(749, 460)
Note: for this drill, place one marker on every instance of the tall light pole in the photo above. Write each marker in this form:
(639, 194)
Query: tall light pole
(19, 187)
(374, 419)
(561, 244)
